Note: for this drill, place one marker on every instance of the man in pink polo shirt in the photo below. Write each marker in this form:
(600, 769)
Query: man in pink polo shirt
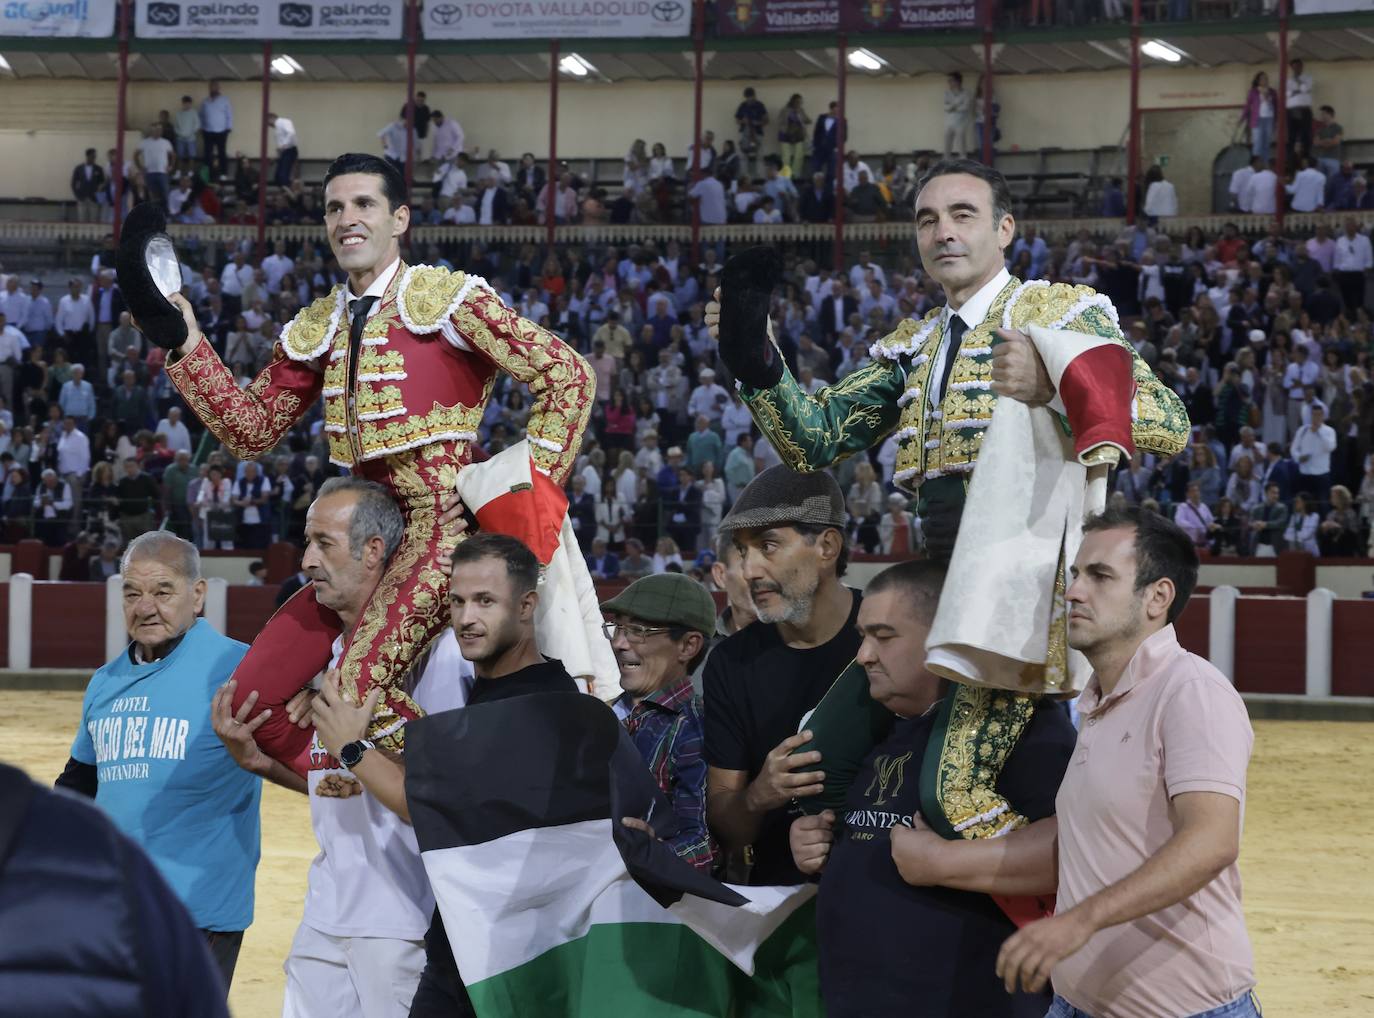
(1149, 921)
(1148, 816)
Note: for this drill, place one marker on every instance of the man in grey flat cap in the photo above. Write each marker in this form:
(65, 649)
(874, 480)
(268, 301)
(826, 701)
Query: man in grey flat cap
(763, 680)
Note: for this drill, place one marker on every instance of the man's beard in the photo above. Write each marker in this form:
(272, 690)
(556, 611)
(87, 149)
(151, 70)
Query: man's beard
(796, 606)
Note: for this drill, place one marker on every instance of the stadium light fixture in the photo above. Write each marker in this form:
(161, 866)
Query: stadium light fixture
(575, 66)
(286, 65)
(1161, 51)
(866, 60)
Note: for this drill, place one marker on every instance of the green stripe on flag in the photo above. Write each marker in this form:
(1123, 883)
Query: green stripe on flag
(660, 970)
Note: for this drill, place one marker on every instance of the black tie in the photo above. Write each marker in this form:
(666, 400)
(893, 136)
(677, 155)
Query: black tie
(357, 310)
(957, 328)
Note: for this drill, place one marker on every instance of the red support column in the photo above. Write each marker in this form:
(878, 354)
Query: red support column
(1133, 146)
(841, 73)
(698, 73)
(262, 148)
(987, 83)
(125, 17)
(412, 44)
(551, 206)
(1281, 145)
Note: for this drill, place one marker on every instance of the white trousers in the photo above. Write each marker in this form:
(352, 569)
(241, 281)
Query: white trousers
(366, 977)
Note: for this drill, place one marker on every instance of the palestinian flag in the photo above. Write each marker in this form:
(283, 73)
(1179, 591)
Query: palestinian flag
(554, 908)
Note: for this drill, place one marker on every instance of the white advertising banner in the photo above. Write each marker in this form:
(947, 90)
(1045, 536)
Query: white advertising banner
(555, 19)
(1329, 6)
(269, 19)
(87, 18)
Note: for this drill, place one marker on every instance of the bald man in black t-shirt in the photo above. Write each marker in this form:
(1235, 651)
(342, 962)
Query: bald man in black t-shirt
(889, 949)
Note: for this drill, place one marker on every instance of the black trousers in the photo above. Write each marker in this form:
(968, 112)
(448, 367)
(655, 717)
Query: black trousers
(1352, 288)
(224, 948)
(286, 162)
(215, 158)
(1300, 129)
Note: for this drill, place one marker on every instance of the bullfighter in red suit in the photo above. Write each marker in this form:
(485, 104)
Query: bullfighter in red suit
(404, 382)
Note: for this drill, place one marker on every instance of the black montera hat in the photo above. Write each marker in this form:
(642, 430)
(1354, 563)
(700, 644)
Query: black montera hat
(149, 272)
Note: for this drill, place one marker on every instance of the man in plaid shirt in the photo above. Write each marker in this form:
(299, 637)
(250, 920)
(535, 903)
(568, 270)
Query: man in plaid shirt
(659, 627)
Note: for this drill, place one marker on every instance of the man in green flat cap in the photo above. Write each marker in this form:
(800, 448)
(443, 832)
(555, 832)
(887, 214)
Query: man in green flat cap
(659, 627)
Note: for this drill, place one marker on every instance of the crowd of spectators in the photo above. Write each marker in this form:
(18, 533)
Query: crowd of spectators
(776, 165)
(1266, 339)
(771, 169)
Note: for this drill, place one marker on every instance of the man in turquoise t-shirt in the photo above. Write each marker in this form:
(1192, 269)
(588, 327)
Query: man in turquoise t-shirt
(148, 754)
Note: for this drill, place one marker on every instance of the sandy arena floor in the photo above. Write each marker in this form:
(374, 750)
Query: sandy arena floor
(1307, 860)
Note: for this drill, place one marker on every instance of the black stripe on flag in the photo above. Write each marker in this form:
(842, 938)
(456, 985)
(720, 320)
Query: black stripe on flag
(480, 773)
(483, 772)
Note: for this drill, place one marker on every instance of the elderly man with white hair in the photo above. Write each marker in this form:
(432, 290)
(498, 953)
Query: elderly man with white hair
(146, 750)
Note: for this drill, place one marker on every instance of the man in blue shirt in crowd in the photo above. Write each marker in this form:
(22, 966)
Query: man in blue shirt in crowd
(148, 754)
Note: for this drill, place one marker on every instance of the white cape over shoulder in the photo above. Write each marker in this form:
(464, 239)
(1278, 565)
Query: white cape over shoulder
(1002, 621)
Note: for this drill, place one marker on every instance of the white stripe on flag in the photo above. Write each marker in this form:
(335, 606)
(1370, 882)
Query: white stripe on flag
(508, 901)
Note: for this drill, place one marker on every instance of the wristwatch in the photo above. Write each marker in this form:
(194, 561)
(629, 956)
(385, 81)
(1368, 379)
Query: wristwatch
(352, 753)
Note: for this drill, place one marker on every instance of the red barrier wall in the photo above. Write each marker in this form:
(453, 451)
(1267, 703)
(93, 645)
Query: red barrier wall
(1191, 626)
(249, 609)
(1271, 634)
(1271, 645)
(68, 625)
(1352, 656)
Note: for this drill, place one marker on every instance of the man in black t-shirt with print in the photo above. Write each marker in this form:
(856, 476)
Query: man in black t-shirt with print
(760, 682)
(889, 949)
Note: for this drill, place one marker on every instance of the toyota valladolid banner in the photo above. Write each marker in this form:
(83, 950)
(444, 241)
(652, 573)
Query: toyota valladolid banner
(555, 19)
(89, 18)
(269, 19)
(782, 17)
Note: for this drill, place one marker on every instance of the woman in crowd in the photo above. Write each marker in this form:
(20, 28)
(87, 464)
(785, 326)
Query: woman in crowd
(712, 490)
(1338, 535)
(633, 380)
(865, 504)
(1205, 473)
(21, 447)
(100, 501)
(1261, 105)
(635, 177)
(662, 181)
(666, 554)
(646, 420)
(792, 135)
(1274, 409)
(619, 432)
(59, 373)
(1301, 534)
(626, 488)
(1228, 533)
(1243, 489)
(215, 507)
(16, 503)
